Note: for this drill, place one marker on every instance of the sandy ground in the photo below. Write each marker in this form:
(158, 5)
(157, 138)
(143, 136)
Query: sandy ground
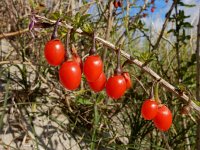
(19, 133)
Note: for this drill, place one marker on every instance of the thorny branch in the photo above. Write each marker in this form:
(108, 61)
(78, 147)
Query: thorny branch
(135, 61)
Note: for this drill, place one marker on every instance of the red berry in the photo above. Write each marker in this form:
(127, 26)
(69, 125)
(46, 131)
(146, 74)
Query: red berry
(152, 1)
(115, 3)
(116, 86)
(153, 9)
(99, 84)
(163, 118)
(119, 3)
(144, 15)
(127, 79)
(54, 52)
(92, 68)
(149, 109)
(70, 75)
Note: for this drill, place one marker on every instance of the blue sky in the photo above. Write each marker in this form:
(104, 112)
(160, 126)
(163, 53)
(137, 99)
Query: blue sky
(162, 7)
(157, 18)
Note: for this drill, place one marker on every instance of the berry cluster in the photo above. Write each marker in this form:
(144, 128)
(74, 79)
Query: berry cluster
(153, 7)
(117, 3)
(152, 109)
(71, 68)
(119, 82)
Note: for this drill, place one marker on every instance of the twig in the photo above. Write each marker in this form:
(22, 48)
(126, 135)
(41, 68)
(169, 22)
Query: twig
(187, 139)
(164, 25)
(43, 78)
(138, 80)
(166, 141)
(109, 27)
(6, 35)
(167, 40)
(147, 37)
(122, 37)
(13, 62)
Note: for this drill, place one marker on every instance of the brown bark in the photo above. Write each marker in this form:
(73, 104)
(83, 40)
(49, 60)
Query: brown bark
(198, 82)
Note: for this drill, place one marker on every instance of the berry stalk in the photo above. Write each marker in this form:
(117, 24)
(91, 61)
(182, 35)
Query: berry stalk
(68, 54)
(156, 96)
(93, 49)
(118, 70)
(54, 34)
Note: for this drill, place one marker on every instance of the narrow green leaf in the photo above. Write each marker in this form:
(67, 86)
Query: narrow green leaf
(186, 5)
(84, 101)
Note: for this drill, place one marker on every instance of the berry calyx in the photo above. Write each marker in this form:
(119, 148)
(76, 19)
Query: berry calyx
(76, 57)
(127, 79)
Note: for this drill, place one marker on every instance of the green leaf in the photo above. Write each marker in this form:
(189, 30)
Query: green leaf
(187, 25)
(147, 56)
(68, 18)
(77, 18)
(196, 102)
(101, 96)
(171, 30)
(83, 101)
(145, 29)
(55, 15)
(188, 79)
(84, 2)
(32, 3)
(74, 37)
(186, 5)
(181, 87)
(87, 28)
(172, 18)
(84, 18)
(193, 58)
(187, 37)
(96, 115)
(140, 24)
